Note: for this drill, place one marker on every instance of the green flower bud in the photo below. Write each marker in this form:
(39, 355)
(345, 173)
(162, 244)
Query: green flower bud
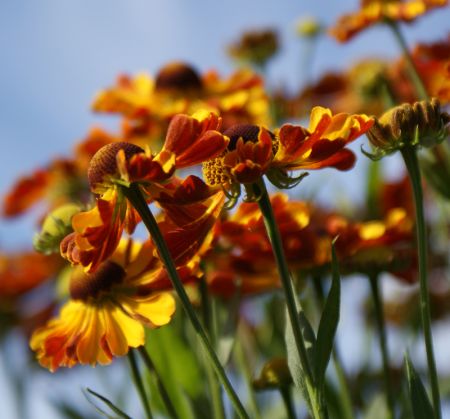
(55, 227)
(420, 124)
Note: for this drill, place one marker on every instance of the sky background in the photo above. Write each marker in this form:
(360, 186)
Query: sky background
(55, 55)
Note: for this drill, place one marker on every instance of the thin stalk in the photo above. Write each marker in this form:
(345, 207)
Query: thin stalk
(134, 195)
(215, 390)
(346, 400)
(317, 404)
(410, 158)
(161, 388)
(139, 384)
(412, 69)
(286, 395)
(374, 286)
(244, 367)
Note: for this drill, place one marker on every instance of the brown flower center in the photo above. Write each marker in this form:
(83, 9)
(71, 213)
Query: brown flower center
(104, 161)
(82, 286)
(178, 76)
(247, 132)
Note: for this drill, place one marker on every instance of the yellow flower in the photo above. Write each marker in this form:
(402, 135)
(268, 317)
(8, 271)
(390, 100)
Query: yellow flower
(108, 310)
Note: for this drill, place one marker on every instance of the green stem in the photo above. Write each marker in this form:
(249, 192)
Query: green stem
(317, 404)
(134, 195)
(410, 158)
(346, 400)
(374, 286)
(161, 388)
(139, 384)
(412, 69)
(208, 321)
(286, 395)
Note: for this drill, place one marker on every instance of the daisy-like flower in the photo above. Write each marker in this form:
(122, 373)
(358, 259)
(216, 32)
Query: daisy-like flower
(244, 259)
(148, 104)
(107, 310)
(377, 245)
(254, 151)
(255, 47)
(98, 231)
(61, 181)
(372, 12)
(22, 271)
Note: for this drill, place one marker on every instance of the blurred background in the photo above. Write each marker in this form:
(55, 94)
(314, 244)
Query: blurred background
(57, 55)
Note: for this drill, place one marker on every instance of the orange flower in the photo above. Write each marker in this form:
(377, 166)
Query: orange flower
(376, 11)
(378, 245)
(107, 311)
(61, 181)
(323, 143)
(253, 151)
(244, 259)
(21, 272)
(98, 231)
(147, 103)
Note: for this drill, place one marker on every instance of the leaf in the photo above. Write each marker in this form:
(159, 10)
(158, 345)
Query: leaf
(109, 403)
(294, 363)
(176, 365)
(227, 333)
(328, 324)
(421, 405)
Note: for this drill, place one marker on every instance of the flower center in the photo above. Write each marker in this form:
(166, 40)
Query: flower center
(104, 161)
(247, 132)
(82, 285)
(178, 76)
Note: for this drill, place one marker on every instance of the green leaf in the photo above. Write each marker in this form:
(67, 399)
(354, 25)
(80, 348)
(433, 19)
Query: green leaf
(294, 363)
(176, 365)
(421, 405)
(108, 403)
(227, 331)
(328, 324)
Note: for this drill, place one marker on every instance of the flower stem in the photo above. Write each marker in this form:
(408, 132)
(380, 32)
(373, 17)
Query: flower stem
(134, 195)
(317, 405)
(412, 69)
(410, 158)
(161, 388)
(374, 286)
(286, 395)
(139, 384)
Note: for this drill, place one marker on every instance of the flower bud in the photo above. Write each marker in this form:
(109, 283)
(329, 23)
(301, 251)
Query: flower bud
(55, 227)
(420, 124)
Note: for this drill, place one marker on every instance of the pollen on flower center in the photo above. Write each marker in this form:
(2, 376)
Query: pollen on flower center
(178, 76)
(82, 286)
(104, 161)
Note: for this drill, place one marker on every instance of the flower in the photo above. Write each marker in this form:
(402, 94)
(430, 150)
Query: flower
(97, 232)
(23, 271)
(255, 47)
(243, 261)
(420, 124)
(148, 104)
(376, 11)
(107, 310)
(254, 151)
